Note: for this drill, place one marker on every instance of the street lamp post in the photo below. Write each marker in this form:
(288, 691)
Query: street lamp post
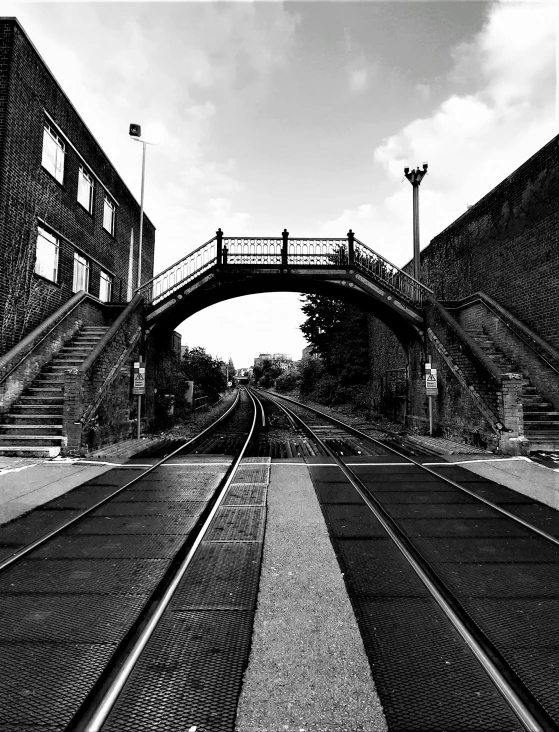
(136, 133)
(415, 178)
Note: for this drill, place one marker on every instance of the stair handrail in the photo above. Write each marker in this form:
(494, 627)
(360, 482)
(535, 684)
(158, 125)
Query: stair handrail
(110, 334)
(515, 325)
(171, 266)
(477, 351)
(53, 320)
(420, 285)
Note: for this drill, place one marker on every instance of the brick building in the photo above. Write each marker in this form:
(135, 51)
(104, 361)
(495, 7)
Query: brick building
(68, 222)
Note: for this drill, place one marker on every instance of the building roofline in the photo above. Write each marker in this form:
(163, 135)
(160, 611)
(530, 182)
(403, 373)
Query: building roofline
(42, 60)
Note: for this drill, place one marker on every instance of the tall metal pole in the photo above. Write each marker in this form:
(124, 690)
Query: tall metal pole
(141, 213)
(415, 178)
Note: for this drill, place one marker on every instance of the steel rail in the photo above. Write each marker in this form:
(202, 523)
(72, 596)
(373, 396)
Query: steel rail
(496, 507)
(21, 553)
(525, 706)
(98, 718)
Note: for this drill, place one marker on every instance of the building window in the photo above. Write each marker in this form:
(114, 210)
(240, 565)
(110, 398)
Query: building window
(46, 263)
(105, 287)
(81, 273)
(85, 190)
(109, 216)
(54, 151)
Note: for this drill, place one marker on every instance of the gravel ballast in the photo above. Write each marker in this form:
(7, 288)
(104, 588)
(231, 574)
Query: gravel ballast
(308, 671)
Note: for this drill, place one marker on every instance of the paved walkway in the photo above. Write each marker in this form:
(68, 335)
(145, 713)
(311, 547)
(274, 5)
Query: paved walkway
(308, 671)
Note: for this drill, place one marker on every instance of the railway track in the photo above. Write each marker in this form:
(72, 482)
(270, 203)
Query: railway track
(452, 581)
(139, 565)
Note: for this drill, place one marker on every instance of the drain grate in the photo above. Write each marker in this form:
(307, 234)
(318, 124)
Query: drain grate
(440, 510)
(43, 683)
(95, 576)
(32, 526)
(166, 493)
(337, 493)
(67, 618)
(176, 509)
(539, 667)
(509, 580)
(510, 549)
(468, 527)
(157, 525)
(240, 494)
(237, 524)
(425, 497)
(427, 678)
(190, 675)
(133, 546)
(352, 520)
(222, 576)
(247, 473)
(376, 568)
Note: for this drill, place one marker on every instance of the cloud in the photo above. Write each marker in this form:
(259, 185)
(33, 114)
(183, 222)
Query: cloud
(471, 140)
(358, 80)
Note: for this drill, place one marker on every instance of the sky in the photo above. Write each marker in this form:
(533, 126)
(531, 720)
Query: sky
(302, 115)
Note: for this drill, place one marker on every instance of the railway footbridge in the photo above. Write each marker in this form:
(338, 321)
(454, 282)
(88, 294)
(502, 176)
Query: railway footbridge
(66, 386)
(228, 267)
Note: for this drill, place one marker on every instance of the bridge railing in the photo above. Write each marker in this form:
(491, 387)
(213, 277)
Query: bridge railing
(179, 273)
(284, 251)
(381, 269)
(250, 250)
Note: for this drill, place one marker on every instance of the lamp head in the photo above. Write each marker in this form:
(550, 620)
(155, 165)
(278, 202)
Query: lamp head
(135, 131)
(425, 166)
(406, 171)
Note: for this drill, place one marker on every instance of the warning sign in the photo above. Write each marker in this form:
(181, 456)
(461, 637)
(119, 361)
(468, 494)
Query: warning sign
(139, 378)
(431, 381)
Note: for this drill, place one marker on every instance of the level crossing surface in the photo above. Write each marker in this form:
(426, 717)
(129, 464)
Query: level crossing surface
(316, 625)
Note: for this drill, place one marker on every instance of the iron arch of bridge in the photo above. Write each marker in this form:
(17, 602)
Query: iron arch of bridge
(227, 267)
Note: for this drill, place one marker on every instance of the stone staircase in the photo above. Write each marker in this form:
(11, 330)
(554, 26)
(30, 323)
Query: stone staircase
(34, 425)
(541, 421)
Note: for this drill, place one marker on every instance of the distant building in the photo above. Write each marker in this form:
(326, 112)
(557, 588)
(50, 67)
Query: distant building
(278, 360)
(309, 353)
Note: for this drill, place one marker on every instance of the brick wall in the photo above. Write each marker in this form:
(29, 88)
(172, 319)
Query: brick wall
(507, 245)
(29, 96)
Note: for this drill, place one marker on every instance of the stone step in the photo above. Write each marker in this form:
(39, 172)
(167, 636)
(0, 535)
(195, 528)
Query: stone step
(46, 391)
(32, 440)
(536, 406)
(544, 441)
(70, 362)
(530, 416)
(32, 418)
(20, 430)
(39, 399)
(46, 451)
(530, 425)
(48, 409)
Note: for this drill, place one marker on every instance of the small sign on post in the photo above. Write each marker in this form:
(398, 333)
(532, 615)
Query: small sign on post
(139, 378)
(432, 390)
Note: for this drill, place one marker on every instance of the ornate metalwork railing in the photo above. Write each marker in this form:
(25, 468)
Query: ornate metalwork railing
(283, 251)
(181, 272)
(317, 251)
(387, 273)
(239, 250)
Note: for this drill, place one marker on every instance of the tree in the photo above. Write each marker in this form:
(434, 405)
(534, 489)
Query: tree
(205, 371)
(266, 374)
(338, 332)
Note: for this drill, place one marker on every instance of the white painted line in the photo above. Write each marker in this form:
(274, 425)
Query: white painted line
(17, 470)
